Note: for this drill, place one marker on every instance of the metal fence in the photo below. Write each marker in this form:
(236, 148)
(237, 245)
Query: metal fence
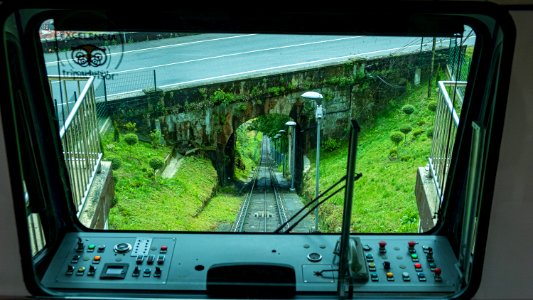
(458, 64)
(449, 105)
(113, 86)
(79, 137)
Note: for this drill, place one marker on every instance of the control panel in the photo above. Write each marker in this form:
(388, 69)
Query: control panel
(183, 262)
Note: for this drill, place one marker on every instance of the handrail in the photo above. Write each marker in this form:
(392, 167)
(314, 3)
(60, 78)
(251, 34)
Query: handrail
(445, 128)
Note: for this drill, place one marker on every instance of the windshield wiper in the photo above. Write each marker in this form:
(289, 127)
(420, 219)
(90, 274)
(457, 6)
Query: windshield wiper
(317, 204)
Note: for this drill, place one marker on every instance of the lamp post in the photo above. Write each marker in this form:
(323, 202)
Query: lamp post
(292, 125)
(281, 155)
(276, 148)
(319, 114)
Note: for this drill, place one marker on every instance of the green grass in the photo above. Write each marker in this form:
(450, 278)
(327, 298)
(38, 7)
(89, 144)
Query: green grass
(181, 203)
(384, 199)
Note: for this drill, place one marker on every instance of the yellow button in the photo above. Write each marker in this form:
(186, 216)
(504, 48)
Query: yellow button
(81, 269)
(390, 275)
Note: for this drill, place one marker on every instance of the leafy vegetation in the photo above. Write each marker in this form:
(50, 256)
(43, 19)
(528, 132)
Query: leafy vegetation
(269, 124)
(384, 199)
(248, 147)
(181, 203)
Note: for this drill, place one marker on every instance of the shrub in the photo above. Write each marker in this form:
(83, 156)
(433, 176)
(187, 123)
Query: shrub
(417, 133)
(396, 137)
(430, 133)
(115, 163)
(156, 163)
(155, 138)
(393, 154)
(131, 139)
(130, 127)
(408, 109)
(432, 106)
(331, 145)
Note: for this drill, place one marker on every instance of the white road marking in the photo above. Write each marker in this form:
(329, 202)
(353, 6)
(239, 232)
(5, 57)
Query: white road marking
(167, 46)
(234, 54)
(278, 67)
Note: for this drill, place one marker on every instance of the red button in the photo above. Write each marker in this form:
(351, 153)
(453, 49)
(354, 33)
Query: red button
(164, 248)
(382, 244)
(418, 266)
(437, 271)
(411, 244)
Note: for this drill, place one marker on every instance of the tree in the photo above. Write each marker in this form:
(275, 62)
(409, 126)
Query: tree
(396, 137)
(405, 130)
(269, 124)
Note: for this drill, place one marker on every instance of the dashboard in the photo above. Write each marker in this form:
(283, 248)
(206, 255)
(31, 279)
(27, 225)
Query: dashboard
(217, 263)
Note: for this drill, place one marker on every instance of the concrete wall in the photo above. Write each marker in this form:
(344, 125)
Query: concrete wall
(99, 199)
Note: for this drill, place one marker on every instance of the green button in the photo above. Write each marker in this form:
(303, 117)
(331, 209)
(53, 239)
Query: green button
(91, 247)
(414, 256)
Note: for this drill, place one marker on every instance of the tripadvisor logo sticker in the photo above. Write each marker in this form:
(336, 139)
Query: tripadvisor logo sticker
(92, 54)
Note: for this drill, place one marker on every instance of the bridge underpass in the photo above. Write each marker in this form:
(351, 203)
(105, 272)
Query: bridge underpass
(269, 203)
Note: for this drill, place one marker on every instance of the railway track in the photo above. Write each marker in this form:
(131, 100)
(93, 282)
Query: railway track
(263, 209)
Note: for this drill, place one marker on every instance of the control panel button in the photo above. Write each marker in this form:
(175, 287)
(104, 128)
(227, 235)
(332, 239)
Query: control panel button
(122, 248)
(406, 277)
(96, 259)
(91, 248)
(374, 277)
(386, 265)
(372, 266)
(70, 270)
(157, 272)
(369, 257)
(163, 249)
(367, 248)
(136, 272)
(414, 257)
(147, 272)
(80, 271)
(75, 259)
(161, 259)
(437, 273)
(390, 276)
(150, 260)
(418, 267)
(79, 245)
(92, 271)
(421, 276)
(101, 248)
(382, 245)
(139, 260)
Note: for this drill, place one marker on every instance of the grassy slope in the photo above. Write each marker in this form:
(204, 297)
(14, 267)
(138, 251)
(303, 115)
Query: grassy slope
(165, 204)
(384, 199)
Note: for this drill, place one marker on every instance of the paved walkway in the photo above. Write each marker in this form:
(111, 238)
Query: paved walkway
(173, 166)
(293, 203)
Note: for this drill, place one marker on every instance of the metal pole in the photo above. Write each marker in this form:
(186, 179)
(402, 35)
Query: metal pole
(347, 211)
(293, 156)
(155, 82)
(317, 164)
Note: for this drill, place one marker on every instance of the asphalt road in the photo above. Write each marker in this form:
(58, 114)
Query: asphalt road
(207, 58)
(212, 57)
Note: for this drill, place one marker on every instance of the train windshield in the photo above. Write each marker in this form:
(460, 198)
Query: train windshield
(242, 132)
